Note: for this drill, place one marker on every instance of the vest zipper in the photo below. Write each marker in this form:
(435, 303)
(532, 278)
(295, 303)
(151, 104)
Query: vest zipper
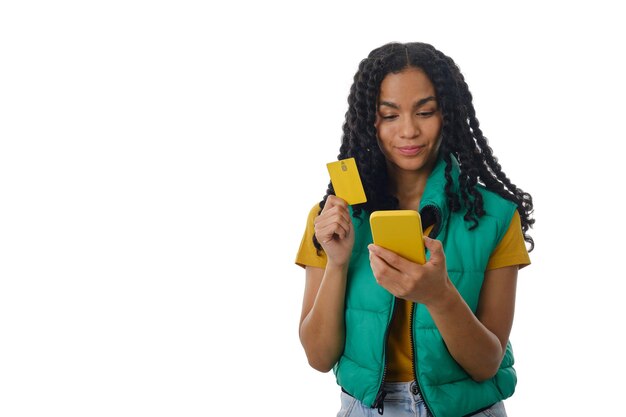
(379, 402)
(433, 233)
(414, 364)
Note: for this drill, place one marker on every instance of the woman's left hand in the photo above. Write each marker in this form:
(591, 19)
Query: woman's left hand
(476, 341)
(425, 284)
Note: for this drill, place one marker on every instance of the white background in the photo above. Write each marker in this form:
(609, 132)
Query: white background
(158, 160)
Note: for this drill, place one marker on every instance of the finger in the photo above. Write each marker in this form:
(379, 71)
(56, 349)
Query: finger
(391, 258)
(436, 250)
(325, 233)
(386, 276)
(333, 221)
(334, 201)
(328, 233)
(338, 211)
(331, 217)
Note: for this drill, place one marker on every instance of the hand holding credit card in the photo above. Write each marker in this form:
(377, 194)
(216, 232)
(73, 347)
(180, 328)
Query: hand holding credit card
(346, 181)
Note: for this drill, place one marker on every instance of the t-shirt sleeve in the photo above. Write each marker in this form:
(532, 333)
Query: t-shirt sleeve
(512, 248)
(307, 254)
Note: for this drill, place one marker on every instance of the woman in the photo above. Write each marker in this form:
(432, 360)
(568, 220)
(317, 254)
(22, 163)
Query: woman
(403, 338)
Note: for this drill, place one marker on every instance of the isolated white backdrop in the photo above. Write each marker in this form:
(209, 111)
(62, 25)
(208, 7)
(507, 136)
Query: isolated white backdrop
(158, 160)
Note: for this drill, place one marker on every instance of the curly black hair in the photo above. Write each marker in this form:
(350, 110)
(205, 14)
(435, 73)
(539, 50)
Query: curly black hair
(460, 132)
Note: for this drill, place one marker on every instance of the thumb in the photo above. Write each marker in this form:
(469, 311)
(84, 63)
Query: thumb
(436, 250)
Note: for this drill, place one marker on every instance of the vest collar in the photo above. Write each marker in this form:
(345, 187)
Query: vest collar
(434, 207)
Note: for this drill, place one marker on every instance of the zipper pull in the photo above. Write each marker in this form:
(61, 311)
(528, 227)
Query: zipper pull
(379, 403)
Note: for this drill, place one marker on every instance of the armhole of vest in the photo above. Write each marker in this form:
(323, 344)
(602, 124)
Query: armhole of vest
(503, 230)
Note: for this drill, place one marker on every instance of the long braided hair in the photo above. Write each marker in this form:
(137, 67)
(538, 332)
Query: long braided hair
(460, 132)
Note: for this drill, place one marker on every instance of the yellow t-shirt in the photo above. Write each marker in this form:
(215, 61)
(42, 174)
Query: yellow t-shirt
(307, 254)
(510, 251)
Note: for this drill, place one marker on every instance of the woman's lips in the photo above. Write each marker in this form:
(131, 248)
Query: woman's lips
(410, 150)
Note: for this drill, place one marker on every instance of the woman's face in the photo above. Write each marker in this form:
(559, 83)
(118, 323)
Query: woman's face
(408, 121)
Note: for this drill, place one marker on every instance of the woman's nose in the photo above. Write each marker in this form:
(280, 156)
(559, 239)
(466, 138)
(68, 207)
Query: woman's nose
(410, 128)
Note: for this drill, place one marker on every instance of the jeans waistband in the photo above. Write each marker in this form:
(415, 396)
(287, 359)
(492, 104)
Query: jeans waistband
(397, 388)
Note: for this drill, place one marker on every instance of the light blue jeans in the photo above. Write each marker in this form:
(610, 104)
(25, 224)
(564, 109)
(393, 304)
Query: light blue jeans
(402, 400)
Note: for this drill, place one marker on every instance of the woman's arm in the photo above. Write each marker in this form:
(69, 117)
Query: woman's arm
(476, 342)
(322, 331)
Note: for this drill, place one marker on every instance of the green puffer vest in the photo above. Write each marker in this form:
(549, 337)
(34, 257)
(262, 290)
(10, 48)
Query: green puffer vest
(446, 388)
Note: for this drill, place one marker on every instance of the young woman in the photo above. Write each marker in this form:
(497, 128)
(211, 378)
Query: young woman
(402, 338)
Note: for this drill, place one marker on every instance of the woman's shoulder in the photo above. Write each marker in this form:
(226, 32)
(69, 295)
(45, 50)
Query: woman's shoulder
(314, 212)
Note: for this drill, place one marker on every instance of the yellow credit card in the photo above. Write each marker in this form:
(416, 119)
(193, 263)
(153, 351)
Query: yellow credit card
(346, 181)
(400, 231)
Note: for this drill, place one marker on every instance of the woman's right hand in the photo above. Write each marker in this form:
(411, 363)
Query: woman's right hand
(334, 231)
(322, 325)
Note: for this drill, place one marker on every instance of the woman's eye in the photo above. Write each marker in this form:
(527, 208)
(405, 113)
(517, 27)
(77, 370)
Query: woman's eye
(425, 113)
(389, 117)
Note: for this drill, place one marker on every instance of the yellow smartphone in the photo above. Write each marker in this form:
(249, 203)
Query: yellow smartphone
(346, 181)
(400, 231)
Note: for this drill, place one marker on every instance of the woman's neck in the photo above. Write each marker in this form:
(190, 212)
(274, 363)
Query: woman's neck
(408, 187)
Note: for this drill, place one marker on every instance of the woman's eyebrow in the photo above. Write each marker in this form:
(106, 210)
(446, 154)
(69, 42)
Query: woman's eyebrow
(417, 104)
(424, 101)
(388, 104)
